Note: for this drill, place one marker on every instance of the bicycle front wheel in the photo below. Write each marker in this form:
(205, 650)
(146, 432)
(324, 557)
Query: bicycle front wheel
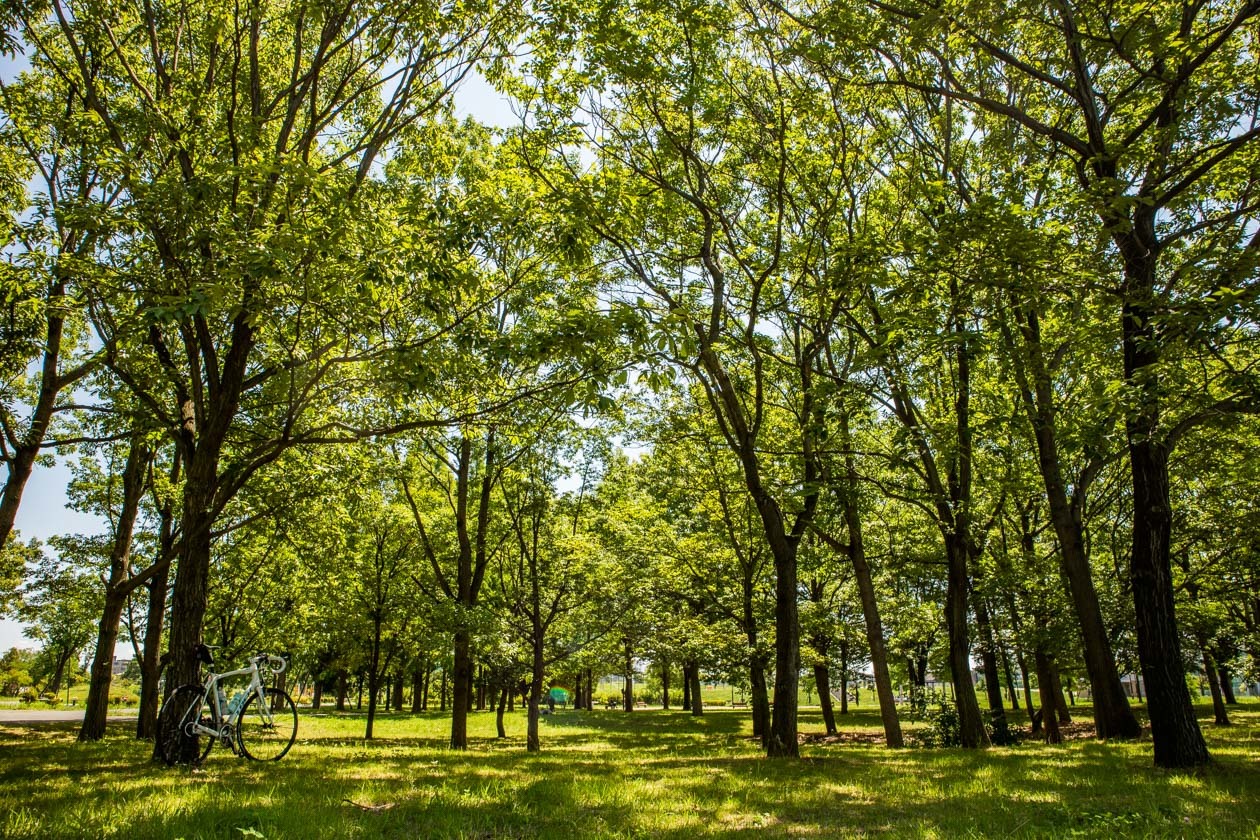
(178, 742)
(268, 725)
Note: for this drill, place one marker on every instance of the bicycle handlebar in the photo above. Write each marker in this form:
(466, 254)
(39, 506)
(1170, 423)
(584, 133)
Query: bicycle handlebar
(275, 664)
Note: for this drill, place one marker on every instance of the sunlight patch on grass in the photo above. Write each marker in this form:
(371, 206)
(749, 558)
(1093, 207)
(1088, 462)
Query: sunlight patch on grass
(645, 775)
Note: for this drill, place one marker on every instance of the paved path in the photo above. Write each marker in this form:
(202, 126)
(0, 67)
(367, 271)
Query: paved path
(20, 716)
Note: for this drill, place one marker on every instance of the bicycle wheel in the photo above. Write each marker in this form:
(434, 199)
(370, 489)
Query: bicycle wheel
(268, 725)
(177, 742)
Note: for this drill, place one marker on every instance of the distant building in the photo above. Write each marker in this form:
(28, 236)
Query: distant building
(120, 665)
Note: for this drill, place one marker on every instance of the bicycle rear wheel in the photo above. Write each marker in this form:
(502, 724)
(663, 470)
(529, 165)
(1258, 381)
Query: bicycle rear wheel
(178, 742)
(268, 725)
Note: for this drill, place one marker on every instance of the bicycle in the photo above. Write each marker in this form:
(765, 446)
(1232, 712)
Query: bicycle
(259, 723)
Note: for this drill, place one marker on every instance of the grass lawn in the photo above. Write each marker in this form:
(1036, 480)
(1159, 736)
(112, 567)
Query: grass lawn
(611, 774)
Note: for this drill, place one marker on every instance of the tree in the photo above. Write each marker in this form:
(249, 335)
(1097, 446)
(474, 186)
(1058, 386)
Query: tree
(242, 170)
(118, 586)
(692, 133)
(1105, 90)
(59, 601)
(56, 248)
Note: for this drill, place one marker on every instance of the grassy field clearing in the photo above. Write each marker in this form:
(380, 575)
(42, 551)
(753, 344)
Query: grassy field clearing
(609, 774)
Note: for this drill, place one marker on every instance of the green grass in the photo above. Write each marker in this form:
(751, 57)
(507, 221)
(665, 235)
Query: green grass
(128, 692)
(611, 774)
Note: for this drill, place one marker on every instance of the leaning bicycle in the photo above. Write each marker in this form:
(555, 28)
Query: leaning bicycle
(259, 722)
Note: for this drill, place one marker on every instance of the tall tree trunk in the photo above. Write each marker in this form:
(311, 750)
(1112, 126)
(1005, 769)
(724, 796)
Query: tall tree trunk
(374, 675)
(462, 682)
(1213, 678)
(1065, 714)
(1112, 716)
(866, 594)
(970, 722)
(1011, 691)
(988, 656)
(1174, 730)
(59, 672)
(343, 689)
(442, 691)
(192, 577)
(822, 680)
(628, 691)
(417, 689)
(686, 674)
(844, 676)
(151, 656)
(761, 717)
(532, 742)
(782, 742)
(759, 697)
(1045, 683)
(1023, 673)
(1227, 684)
(471, 563)
(117, 591)
(697, 702)
(500, 730)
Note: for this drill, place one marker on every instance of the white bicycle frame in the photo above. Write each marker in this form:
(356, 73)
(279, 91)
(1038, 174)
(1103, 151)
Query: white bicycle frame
(226, 719)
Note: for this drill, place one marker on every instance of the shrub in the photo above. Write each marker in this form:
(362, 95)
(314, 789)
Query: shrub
(943, 729)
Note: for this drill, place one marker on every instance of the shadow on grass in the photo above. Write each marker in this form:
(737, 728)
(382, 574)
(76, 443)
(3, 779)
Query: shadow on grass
(646, 774)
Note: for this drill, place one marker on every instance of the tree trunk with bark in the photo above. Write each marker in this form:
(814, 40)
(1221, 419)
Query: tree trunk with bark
(151, 656)
(1175, 731)
(500, 730)
(532, 741)
(1213, 678)
(627, 691)
(1112, 716)
(970, 722)
(1045, 683)
(117, 590)
(992, 678)
(417, 689)
(759, 697)
(1065, 714)
(822, 680)
(461, 681)
(374, 674)
(866, 593)
(1227, 684)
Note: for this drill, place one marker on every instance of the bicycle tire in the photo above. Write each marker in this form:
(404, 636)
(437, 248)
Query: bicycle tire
(176, 744)
(268, 725)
